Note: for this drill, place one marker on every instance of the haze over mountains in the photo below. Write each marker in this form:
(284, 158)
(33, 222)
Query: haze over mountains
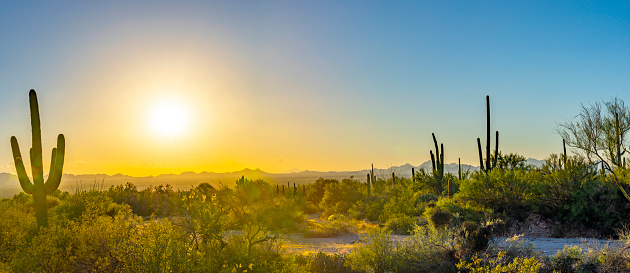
(9, 184)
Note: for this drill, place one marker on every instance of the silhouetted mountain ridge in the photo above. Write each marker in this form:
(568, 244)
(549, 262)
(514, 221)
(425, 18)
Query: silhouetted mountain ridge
(9, 184)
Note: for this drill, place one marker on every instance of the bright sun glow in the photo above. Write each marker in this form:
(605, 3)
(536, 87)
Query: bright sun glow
(169, 118)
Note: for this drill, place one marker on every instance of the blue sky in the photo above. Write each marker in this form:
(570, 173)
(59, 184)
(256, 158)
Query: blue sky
(323, 85)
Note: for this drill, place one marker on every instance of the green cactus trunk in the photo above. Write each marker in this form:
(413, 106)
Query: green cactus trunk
(459, 164)
(413, 175)
(564, 154)
(489, 164)
(38, 188)
(437, 160)
(368, 186)
(619, 161)
(393, 180)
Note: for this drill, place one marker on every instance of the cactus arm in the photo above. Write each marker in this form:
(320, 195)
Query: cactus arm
(56, 165)
(36, 150)
(53, 157)
(437, 151)
(441, 166)
(488, 166)
(496, 149)
(480, 154)
(26, 184)
(432, 160)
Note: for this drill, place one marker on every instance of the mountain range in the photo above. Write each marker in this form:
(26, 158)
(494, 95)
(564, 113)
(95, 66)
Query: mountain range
(9, 184)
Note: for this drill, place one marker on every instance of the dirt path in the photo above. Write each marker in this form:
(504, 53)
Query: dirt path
(551, 246)
(534, 226)
(296, 243)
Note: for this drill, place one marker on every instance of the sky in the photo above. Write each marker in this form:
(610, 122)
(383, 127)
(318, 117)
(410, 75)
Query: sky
(309, 85)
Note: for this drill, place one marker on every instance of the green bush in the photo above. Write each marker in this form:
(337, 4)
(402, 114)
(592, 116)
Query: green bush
(375, 254)
(340, 197)
(438, 218)
(513, 192)
(576, 195)
(567, 260)
(401, 224)
(500, 264)
(465, 211)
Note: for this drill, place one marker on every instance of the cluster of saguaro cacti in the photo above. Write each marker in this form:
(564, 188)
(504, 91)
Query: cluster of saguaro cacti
(489, 165)
(38, 188)
(437, 160)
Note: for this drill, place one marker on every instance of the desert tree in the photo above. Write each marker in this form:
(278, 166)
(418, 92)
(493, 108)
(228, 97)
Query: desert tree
(599, 133)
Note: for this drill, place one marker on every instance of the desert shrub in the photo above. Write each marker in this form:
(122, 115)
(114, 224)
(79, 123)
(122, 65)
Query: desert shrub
(376, 253)
(399, 201)
(499, 264)
(575, 194)
(428, 183)
(17, 225)
(401, 224)
(567, 260)
(159, 200)
(607, 259)
(438, 218)
(511, 161)
(88, 204)
(318, 263)
(336, 225)
(465, 211)
(427, 250)
(510, 191)
(473, 237)
(340, 197)
(370, 208)
(316, 190)
(257, 200)
(96, 245)
(514, 247)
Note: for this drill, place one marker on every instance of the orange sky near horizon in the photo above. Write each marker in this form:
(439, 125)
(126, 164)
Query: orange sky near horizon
(282, 85)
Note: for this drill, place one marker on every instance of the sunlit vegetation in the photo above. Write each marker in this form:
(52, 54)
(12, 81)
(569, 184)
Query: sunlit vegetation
(241, 229)
(450, 221)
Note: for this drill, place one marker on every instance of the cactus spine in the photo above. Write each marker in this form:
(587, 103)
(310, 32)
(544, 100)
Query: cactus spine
(38, 188)
(437, 160)
(489, 165)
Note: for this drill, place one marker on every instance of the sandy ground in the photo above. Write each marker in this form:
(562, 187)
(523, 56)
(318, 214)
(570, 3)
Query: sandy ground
(551, 246)
(296, 243)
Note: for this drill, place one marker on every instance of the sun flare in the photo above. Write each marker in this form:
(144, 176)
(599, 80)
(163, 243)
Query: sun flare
(169, 118)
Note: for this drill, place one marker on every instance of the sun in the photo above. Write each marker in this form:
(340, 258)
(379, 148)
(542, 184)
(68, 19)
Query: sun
(169, 118)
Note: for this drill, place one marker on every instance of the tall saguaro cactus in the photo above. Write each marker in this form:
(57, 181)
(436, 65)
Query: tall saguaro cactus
(437, 160)
(489, 165)
(38, 188)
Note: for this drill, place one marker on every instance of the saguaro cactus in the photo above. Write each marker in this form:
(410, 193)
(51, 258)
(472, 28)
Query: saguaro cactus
(489, 165)
(38, 188)
(437, 160)
(617, 156)
(564, 155)
(368, 185)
